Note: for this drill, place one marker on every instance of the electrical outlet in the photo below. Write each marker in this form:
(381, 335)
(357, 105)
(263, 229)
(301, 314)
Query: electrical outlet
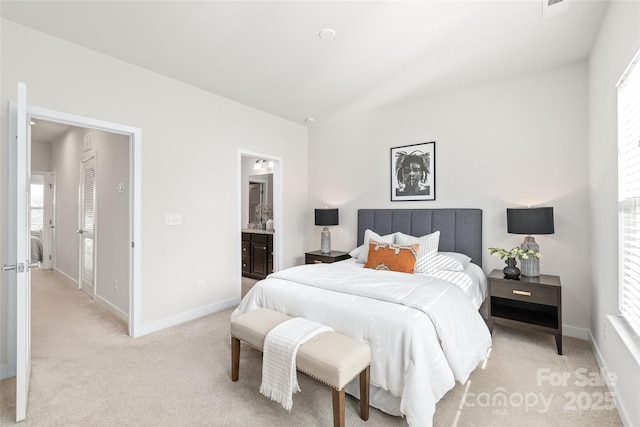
(115, 286)
(173, 219)
(201, 286)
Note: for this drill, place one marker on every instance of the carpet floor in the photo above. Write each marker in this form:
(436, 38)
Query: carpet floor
(87, 372)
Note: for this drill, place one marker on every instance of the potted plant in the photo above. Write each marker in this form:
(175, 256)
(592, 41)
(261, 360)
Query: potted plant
(511, 271)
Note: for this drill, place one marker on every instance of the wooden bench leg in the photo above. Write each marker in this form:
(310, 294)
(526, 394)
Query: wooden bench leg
(235, 358)
(364, 393)
(338, 407)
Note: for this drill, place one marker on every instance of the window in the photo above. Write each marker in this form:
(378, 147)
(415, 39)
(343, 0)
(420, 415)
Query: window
(629, 194)
(37, 207)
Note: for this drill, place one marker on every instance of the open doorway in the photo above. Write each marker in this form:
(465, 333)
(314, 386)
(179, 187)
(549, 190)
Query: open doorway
(100, 267)
(59, 144)
(259, 216)
(42, 220)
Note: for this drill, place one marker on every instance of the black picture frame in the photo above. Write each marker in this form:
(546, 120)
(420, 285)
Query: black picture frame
(413, 172)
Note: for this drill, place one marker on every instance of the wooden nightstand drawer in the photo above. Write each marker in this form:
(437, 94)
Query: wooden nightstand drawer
(519, 291)
(317, 257)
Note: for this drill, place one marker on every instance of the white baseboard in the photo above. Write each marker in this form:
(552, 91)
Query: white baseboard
(158, 325)
(66, 278)
(98, 299)
(572, 331)
(612, 387)
(7, 372)
(112, 308)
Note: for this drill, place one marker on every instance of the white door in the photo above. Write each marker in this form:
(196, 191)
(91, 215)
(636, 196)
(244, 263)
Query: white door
(19, 243)
(87, 226)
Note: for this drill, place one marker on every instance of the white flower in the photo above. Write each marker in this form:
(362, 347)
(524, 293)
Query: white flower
(516, 252)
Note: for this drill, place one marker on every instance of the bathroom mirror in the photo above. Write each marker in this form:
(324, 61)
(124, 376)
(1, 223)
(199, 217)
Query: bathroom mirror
(260, 193)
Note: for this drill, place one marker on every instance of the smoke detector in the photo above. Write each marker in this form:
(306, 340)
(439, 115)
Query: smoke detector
(327, 34)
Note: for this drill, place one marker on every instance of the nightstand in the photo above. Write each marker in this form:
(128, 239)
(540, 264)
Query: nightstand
(532, 303)
(317, 257)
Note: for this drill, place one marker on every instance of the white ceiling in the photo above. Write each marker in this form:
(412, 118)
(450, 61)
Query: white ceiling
(268, 55)
(45, 132)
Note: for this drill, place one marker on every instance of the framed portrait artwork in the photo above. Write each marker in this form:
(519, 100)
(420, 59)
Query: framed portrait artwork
(413, 172)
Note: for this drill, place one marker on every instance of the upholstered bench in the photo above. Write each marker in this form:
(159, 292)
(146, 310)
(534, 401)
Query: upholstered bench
(331, 358)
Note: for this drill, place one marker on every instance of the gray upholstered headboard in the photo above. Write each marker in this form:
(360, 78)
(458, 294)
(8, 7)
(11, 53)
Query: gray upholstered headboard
(460, 229)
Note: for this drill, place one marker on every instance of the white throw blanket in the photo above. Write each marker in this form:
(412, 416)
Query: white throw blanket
(279, 379)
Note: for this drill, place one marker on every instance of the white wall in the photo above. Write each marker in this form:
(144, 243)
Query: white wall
(513, 142)
(190, 141)
(617, 42)
(113, 240)
(41, 157)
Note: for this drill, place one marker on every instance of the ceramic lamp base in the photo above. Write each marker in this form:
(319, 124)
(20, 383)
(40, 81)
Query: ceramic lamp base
(325, 241)
(530, 267)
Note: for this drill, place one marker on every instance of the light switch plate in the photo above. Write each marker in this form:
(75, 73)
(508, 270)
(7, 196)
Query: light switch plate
(173, 219)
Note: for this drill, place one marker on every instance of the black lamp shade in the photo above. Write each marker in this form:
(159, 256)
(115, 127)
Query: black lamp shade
(530, 220)
(326, 217)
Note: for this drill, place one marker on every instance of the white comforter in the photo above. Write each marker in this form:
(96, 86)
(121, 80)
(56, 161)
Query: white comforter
(424, 332)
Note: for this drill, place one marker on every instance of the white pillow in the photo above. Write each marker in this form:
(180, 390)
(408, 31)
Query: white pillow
(356, 252)
(372, 235)
(451, 261)
(428, 249)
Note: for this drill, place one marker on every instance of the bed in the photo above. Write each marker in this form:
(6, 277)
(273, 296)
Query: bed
(425, 331)
(36, 249)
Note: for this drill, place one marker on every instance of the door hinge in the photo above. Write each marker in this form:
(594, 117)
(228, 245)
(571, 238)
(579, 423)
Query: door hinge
(132, 244)
(49, 257)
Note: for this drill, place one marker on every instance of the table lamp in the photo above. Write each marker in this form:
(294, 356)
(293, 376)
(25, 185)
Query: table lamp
(326, 217)
(530, 221)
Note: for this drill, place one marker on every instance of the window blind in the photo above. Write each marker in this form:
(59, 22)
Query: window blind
(629, 195)
(88, 199)
(88, 221)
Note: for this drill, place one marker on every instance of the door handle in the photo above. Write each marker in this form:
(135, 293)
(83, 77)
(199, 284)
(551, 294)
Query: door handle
(18, 267)
(8, 267)
(81, 231)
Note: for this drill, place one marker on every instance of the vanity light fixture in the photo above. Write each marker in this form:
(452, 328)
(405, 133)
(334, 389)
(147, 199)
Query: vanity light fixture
(262, 164)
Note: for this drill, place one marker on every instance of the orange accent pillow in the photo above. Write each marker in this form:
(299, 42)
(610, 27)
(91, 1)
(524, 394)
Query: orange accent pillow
(390, 257)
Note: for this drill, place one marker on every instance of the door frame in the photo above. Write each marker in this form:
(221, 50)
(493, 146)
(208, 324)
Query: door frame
(135, 197)
(278, 213)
